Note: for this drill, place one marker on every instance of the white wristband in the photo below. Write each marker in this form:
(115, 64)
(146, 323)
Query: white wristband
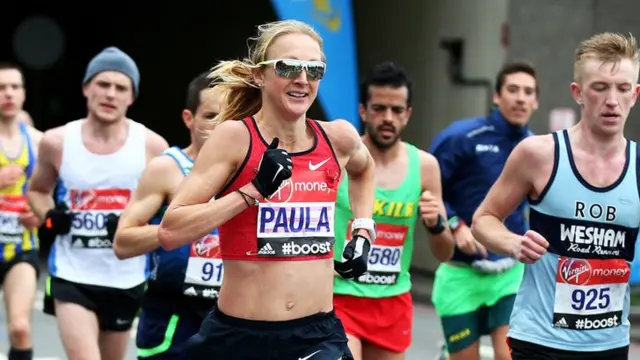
(365, 224)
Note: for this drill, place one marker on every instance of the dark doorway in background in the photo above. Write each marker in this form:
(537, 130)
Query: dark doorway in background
(170, 45)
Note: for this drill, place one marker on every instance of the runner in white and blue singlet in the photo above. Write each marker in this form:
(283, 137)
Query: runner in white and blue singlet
(183, 284)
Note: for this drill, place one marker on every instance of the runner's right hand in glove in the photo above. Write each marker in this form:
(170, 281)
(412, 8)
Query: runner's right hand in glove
(274, 168)
(58, 220)
(356, 255)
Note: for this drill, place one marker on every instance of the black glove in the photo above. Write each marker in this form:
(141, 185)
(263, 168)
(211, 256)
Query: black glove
(356, 255)
(112, 225)
(275, 167)
(58, 220)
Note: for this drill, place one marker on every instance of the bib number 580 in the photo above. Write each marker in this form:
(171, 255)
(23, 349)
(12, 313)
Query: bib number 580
(592, 299)
(386, 256)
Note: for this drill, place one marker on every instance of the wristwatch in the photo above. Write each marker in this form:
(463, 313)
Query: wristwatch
(455, 223)
(439, 227)
(365, 224)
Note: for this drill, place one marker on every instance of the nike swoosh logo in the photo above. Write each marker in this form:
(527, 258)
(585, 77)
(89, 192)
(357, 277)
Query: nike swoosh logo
(309, 356)
(314, 167)
(280, 168)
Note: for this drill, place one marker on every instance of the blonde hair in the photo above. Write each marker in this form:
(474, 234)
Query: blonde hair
(608, 48)
(241, 95)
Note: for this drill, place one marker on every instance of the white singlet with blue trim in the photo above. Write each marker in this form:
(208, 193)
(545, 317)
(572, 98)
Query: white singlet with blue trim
(95, 186)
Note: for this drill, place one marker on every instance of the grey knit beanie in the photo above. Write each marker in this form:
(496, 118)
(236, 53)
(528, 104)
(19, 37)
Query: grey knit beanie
(113, 59)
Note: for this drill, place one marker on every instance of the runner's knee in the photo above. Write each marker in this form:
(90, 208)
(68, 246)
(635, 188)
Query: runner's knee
(470, 352)
(19, 330)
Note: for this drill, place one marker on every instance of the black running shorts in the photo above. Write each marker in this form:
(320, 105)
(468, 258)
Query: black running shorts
(316, 337)
(522, 350)
(115, 308)
(30, 257)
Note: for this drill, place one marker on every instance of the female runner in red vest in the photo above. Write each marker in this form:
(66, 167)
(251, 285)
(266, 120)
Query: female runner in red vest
(274, 174)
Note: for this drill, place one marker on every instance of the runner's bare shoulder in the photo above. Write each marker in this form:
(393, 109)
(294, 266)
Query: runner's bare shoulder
(533, 158)
(51, 143)
(428, 162)
(343, 136)
(227, 142)
(35, 134)
(535, 149)
(155, 143)
(164, 173)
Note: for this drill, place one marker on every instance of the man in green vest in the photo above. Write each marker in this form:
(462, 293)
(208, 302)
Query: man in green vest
(376, 308)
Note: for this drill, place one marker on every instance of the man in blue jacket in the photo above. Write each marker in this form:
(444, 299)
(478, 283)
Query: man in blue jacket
(474, 292)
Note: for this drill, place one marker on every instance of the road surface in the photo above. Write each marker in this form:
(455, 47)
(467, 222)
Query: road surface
(426, 336)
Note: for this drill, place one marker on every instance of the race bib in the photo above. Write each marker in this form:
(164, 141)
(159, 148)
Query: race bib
(590, 293)
(385, 256)
(295, 229)
(204, 269)
(90, 209)
(11, 229)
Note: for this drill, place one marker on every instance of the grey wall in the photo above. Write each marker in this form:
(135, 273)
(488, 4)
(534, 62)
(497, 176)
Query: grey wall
(548, 31)
(409, 33)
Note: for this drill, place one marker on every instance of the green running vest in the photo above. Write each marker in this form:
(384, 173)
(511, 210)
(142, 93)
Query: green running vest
(395, 213)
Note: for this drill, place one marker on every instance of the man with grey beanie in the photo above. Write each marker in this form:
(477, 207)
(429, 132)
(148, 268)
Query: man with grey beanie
(98, 161)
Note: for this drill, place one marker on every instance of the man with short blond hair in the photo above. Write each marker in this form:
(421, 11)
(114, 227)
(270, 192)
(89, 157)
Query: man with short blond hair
(582, 185)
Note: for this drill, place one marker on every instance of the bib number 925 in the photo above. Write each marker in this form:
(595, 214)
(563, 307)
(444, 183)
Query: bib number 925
(89, 221)
(592, 299)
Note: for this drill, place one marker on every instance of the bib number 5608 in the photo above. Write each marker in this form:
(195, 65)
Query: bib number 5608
(592, 299)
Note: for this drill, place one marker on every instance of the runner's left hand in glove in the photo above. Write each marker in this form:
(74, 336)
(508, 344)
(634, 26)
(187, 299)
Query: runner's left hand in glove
(356, 255)
(112, 225)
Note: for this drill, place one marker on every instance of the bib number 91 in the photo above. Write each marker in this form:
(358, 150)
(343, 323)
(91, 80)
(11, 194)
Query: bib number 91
(384, 256)
(89, 221)
(211, 270)
(592, 299)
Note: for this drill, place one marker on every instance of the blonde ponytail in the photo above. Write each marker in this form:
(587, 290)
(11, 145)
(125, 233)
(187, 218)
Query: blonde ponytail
(241, 96)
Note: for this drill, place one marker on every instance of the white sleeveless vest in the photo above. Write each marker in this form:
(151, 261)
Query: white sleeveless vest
(95, 186)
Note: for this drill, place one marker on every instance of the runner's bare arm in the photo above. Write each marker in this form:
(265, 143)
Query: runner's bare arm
(25, 117)
(155, 144)
(360, 167)
(36, 137)
(193, 213)
(511, 188)
(28, 219)
(45, 173)
(442, 245)
(135, 236)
